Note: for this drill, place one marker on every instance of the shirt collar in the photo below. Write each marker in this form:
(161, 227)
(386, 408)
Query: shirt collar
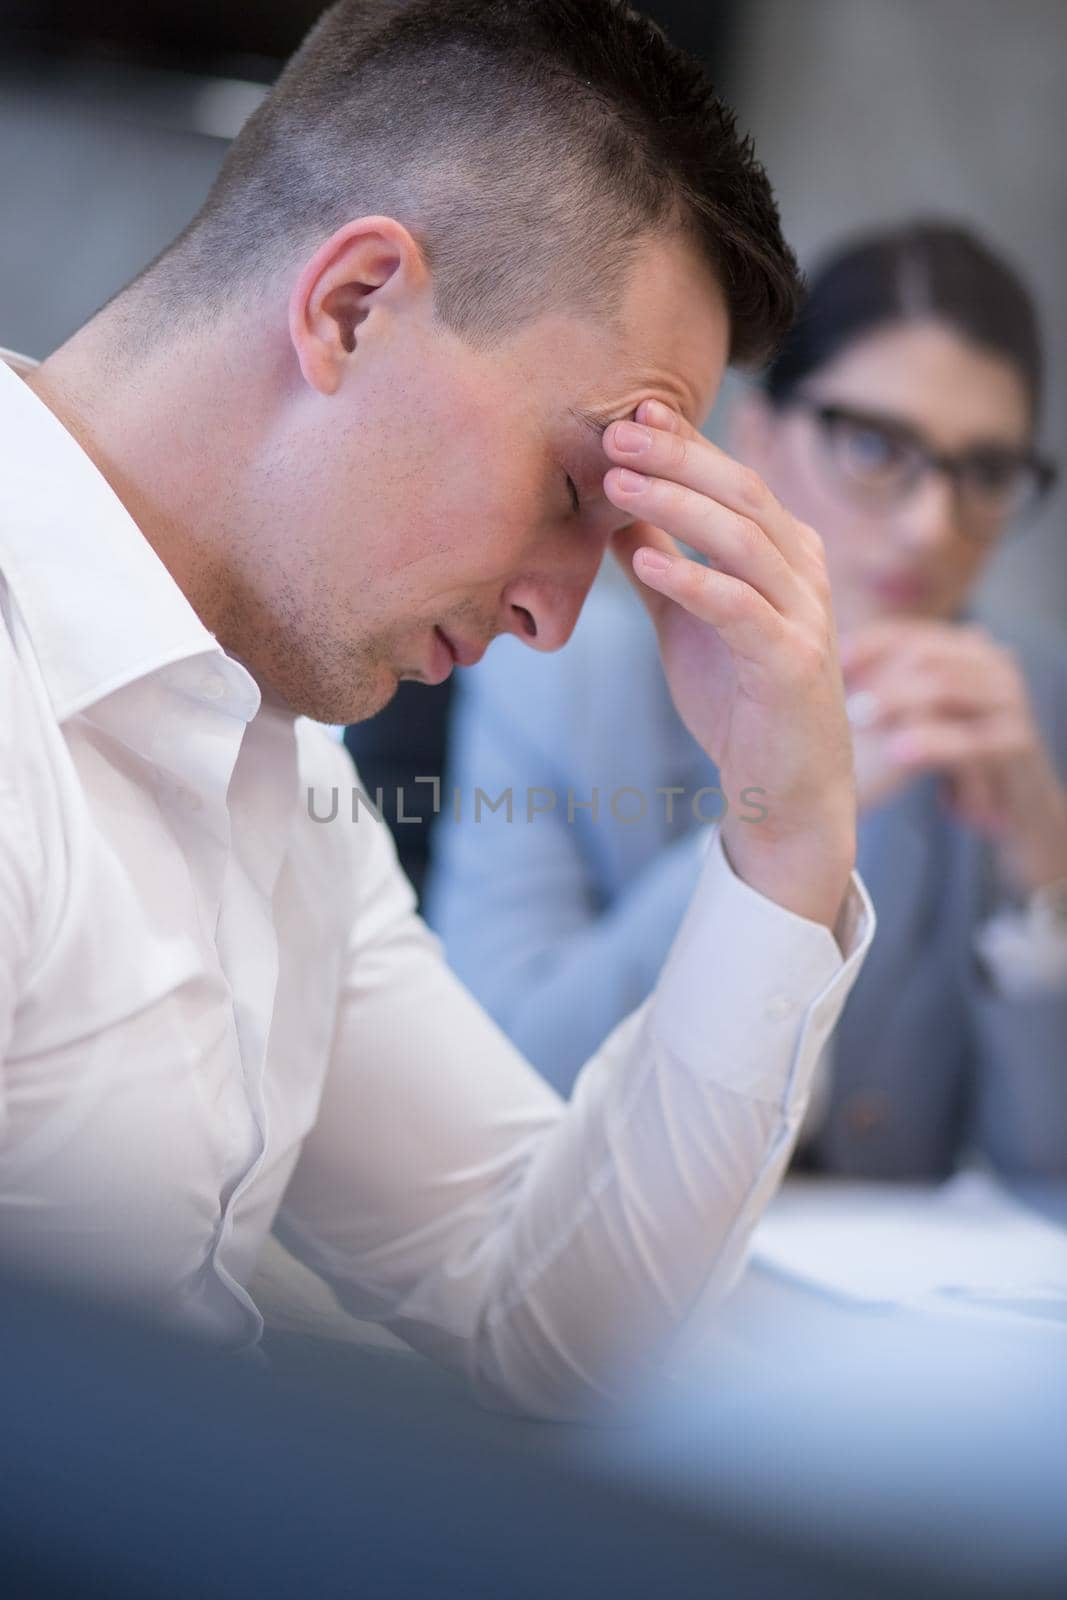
(99, 605)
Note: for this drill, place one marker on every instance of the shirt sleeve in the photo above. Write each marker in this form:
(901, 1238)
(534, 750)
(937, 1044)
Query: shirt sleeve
(551, 1251)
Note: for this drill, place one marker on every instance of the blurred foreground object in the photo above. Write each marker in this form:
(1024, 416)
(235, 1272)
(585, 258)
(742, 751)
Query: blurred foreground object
(139, 1468)
(907, 1413)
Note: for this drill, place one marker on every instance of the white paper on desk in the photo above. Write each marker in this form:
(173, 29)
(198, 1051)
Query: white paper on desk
(968, 1243)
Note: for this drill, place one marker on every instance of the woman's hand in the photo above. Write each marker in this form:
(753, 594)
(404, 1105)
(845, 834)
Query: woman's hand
(932, 696)
(749, 650)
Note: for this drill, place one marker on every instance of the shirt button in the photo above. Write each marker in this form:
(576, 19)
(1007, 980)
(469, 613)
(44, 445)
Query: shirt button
(778, 1008)
(213, 686)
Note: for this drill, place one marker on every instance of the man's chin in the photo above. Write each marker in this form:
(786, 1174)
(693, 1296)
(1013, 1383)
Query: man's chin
(366, 702)
(341, 706)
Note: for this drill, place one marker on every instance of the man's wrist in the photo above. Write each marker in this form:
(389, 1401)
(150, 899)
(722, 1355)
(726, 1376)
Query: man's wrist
(808, 874)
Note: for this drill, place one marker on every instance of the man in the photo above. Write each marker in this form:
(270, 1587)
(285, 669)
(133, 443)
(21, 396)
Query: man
(362, 417)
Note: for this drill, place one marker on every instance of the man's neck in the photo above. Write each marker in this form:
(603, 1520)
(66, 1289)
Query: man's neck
(159, 432)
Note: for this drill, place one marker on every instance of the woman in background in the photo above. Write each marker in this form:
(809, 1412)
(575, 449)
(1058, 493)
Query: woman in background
(900, 421)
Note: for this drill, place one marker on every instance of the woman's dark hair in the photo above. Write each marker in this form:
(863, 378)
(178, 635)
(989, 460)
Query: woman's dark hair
(922, 270)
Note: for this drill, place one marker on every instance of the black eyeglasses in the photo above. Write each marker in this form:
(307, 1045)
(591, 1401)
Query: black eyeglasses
(883, 460)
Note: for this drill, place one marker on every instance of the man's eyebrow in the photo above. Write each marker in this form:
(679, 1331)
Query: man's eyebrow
(598, 423)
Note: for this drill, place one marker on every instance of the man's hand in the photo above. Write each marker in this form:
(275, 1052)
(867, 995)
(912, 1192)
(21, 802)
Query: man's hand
(944, 697)
(749, 649)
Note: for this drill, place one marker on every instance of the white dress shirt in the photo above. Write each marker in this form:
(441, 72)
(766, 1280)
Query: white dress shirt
(219, 1015)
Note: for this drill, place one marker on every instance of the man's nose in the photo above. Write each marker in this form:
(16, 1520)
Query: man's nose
(542, 609)
(542, 614)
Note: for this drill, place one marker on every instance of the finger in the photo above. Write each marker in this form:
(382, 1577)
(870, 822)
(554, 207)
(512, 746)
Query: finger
(679, 454)
(735, 545)
(946, 690)
(654, 414)
(749, 626)
(951, 744)
(956, 670)
(918, 641)
(861, 648)
(624, 547)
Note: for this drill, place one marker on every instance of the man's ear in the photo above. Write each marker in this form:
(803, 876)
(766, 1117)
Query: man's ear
(752, 429)
(371, 265)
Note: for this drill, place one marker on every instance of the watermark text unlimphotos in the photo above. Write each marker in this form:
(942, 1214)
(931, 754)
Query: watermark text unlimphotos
(626, 804)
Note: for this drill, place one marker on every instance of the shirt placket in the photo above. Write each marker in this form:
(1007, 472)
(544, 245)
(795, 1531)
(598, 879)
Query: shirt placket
(231, 796)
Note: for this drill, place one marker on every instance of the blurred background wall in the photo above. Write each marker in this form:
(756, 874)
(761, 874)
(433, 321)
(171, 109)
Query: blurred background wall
(114, 119)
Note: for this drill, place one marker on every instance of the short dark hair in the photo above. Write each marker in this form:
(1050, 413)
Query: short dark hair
(924, 269)
(528, 145)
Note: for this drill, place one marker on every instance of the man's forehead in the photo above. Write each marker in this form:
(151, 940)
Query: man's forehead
(596, 419)
(686, 377)
(671, 339)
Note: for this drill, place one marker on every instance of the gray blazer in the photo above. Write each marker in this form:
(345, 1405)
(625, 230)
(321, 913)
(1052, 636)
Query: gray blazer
(559, 920)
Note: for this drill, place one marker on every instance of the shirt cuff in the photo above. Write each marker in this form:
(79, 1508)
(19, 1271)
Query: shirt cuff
(751, 991)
